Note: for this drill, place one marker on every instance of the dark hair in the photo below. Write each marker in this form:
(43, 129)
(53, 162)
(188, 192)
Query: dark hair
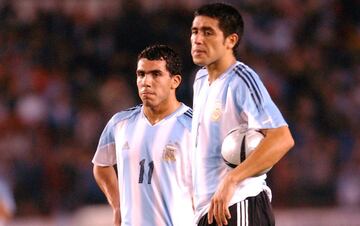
(230, 19)
(163, 52)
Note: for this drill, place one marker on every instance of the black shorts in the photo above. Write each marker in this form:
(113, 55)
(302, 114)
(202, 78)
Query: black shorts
(253, 211)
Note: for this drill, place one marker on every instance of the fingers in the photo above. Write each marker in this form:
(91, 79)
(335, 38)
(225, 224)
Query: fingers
(227, 214)
(220, 212)
(211, 213)
(221, 218)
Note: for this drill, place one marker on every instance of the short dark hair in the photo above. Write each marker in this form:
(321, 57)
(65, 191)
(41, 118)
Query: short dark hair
(230, 19)
(163, 52)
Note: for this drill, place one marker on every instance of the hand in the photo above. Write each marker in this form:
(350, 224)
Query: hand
(220, 201)
(116, 217)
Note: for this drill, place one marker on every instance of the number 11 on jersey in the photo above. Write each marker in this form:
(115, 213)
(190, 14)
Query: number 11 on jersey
(142, 171)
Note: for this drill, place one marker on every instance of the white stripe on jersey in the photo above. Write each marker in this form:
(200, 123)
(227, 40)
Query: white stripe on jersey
(237, 97)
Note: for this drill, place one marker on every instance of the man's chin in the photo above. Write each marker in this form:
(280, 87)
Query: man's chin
(199, 62)
(147, 103)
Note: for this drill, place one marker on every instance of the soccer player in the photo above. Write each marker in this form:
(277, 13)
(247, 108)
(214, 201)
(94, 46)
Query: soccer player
(229, 94)
(150, 146)
(7, 202)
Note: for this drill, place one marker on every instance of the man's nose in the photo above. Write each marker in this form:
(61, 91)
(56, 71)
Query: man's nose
(198, 38)
(146, 80)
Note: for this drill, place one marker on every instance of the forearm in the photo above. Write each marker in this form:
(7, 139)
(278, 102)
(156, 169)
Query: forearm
(107, 181)
(4, 212)
(274, 146)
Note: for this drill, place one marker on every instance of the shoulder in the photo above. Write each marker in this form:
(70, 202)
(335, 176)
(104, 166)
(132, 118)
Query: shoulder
(245, 73)
(185, 117)
(244, 77)
(125, 114)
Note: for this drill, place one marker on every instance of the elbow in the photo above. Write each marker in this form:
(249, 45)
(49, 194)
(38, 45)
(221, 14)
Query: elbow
(290, 141)
(99, 171)
(95, 170)
(286, 139)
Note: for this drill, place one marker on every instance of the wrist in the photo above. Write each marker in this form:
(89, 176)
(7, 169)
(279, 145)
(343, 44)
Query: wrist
(115, 208)
(232, 178)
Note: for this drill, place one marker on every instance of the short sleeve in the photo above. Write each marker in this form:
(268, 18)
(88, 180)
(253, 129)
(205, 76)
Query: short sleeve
(105, 154)
(254, 102)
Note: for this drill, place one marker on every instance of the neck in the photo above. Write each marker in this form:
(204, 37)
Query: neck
(217, 68)
(158, 113)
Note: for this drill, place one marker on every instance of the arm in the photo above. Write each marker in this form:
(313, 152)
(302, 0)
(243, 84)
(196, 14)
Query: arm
(274, 146)
(4, 211)
(107, 180)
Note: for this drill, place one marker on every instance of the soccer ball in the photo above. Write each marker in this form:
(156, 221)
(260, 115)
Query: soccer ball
(238, 145)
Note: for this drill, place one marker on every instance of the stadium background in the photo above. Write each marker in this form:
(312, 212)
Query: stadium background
(67, 66)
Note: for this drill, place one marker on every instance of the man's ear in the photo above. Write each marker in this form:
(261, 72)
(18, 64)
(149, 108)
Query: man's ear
(175, 81)
(231, 40)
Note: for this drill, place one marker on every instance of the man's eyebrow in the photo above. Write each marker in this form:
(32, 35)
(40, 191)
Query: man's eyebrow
(154, 71)
(148, 72)
(203, 28)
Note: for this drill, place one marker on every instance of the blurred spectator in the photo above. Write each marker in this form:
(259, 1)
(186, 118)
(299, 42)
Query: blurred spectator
(348, 182)
(116, 93)
(7, 201)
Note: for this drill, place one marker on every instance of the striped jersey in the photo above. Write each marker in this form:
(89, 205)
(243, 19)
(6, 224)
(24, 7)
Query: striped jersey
(153, 163)
(236, 98)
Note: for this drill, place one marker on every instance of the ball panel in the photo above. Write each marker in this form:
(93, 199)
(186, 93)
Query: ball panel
(238, 144)
(231, 147)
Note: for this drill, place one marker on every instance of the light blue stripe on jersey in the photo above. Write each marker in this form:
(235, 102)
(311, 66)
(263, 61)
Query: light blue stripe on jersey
(124, 188)
(147, 194)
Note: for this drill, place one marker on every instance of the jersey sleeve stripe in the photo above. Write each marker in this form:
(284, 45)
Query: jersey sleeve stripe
(188, 113)
(246, 76)
(133, 108)
(249, 73)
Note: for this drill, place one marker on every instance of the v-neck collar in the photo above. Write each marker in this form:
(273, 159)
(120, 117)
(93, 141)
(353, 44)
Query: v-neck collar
(179, 109)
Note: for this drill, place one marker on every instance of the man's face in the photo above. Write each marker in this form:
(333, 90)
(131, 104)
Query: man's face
(207, 41)
(154, 83)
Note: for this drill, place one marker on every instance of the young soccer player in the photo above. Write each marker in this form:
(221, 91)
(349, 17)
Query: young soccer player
(150, 146)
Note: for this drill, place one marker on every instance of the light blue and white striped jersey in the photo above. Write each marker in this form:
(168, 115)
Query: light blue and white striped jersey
(154, 166)
(236, 98)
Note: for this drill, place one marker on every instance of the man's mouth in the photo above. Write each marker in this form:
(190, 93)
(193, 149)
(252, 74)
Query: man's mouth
(198, 52)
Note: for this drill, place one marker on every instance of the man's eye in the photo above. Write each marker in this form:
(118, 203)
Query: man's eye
(207, 33)
(140, 74)
(157, 73)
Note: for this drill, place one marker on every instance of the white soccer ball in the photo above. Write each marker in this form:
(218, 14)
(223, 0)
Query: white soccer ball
(238, 145)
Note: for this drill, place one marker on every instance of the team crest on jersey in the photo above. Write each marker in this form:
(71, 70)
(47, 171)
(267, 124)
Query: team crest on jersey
(169, 152)
(217, 112)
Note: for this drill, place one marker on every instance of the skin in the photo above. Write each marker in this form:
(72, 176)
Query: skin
(156, 88)
(210, 48)
(4, 212)
(107, 180)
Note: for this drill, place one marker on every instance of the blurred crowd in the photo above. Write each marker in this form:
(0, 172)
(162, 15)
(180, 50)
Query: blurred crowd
(62, 76)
